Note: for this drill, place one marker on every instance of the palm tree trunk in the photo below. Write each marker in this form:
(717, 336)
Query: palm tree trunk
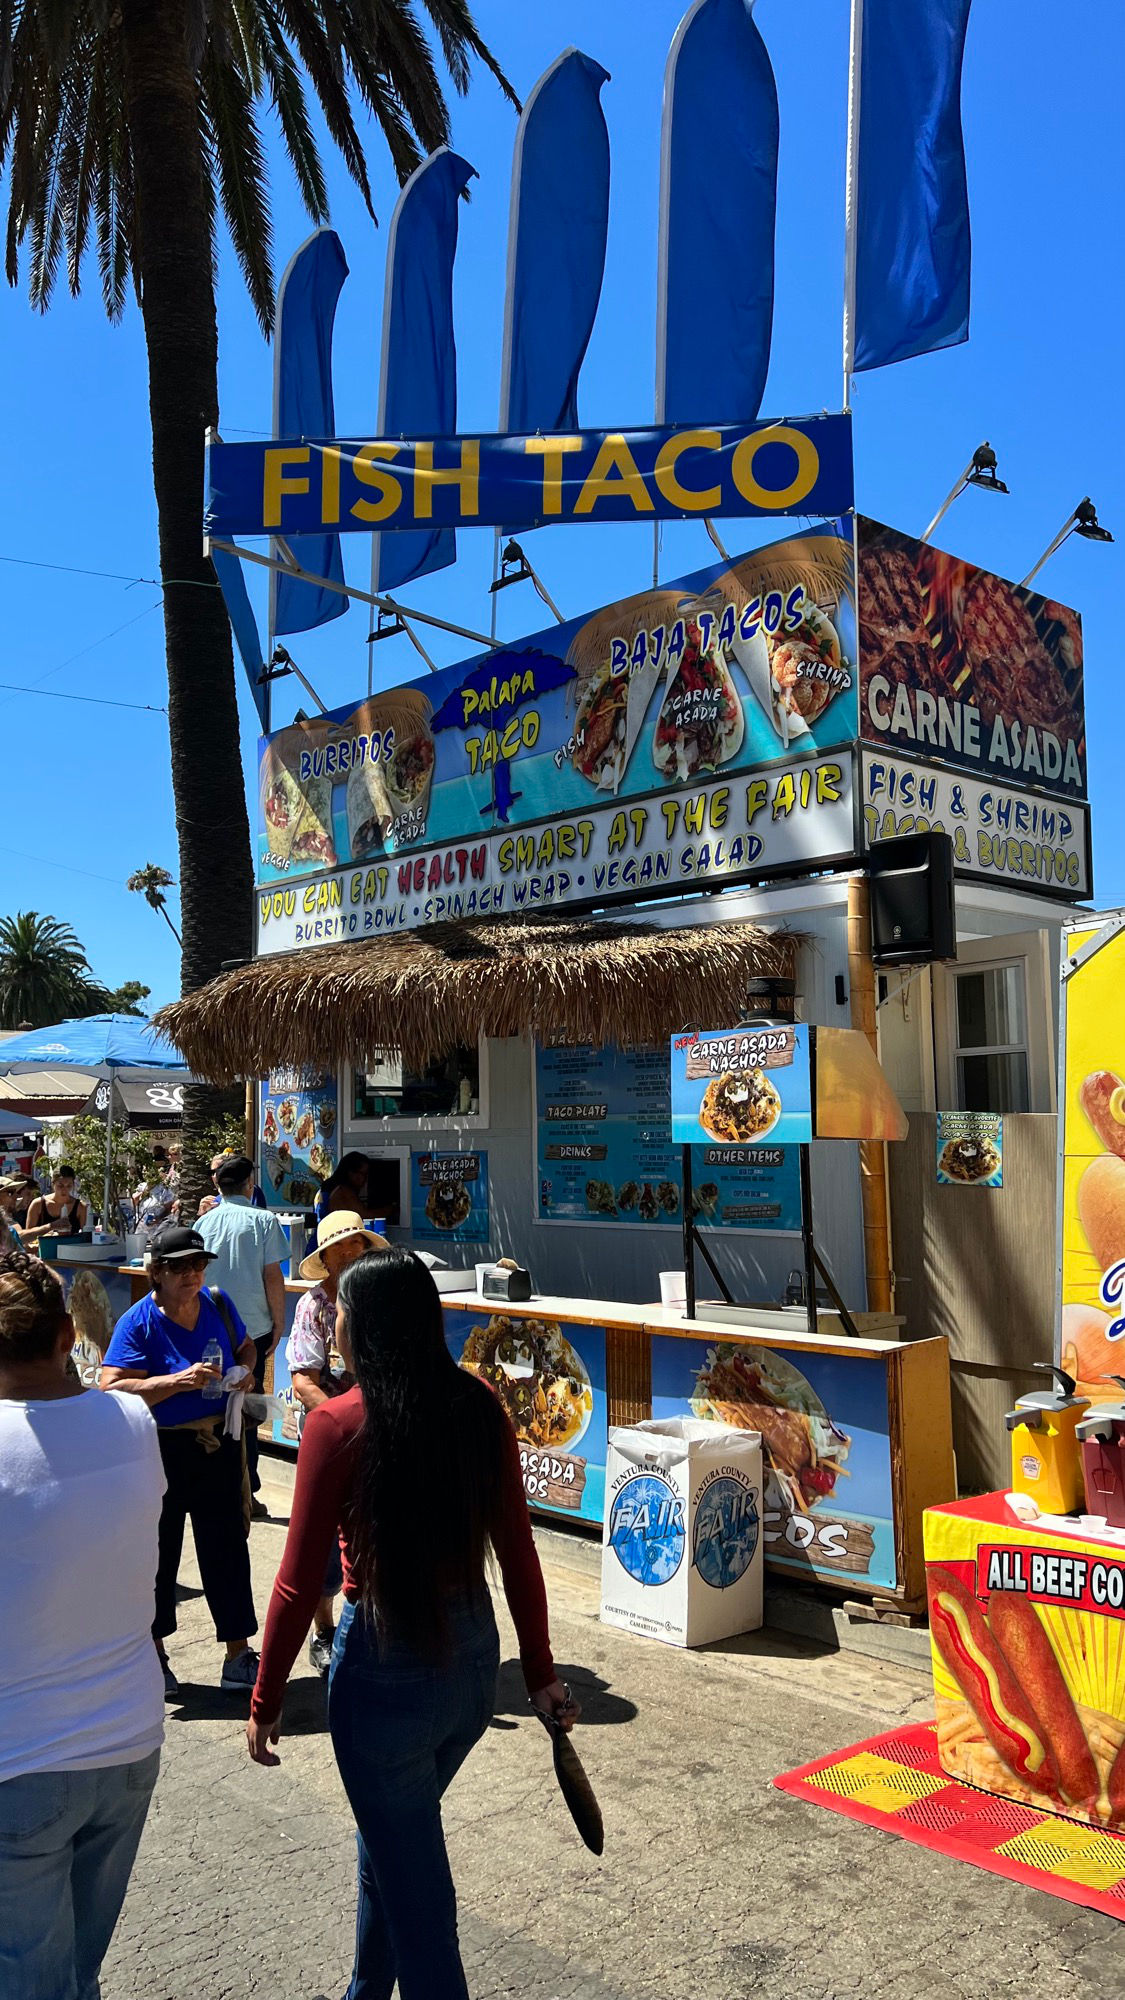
(178, 308)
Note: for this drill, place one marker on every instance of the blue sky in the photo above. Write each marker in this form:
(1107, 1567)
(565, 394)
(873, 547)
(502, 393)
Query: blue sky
(87, 791)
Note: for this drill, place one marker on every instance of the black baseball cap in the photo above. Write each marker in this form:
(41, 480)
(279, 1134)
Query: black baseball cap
(173, 1243)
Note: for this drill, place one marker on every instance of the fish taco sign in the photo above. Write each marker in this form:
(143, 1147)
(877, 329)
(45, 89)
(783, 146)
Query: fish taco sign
(685, 733)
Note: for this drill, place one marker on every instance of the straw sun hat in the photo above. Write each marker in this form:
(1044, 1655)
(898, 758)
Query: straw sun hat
(343, 1222)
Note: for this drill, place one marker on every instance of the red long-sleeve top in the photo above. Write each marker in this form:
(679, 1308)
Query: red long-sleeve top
(325, 1476)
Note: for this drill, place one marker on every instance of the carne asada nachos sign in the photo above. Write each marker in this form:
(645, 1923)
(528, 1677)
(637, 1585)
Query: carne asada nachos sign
(742, 1086)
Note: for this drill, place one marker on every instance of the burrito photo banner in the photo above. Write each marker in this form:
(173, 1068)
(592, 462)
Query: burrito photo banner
(301, 486)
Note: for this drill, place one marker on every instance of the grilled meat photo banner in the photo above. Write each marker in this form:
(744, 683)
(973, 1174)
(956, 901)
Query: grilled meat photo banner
(960, 667)
(825, 1428)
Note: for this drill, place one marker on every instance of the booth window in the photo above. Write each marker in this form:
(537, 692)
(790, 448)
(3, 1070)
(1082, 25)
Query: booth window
(991, 1047)
(448, 1088)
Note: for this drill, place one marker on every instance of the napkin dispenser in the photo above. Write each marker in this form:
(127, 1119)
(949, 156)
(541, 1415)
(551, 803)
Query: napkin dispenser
(510, 1283)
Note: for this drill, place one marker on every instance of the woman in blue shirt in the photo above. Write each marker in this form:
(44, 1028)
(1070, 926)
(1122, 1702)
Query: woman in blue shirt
(157, 1352)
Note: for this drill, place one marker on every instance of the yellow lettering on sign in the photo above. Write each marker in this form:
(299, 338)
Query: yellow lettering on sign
(706, 502)
(329, 484)
(465, 476)
(369, 472)
(785, 796)
(613, 472)
(757, 793)
(829, 778)
(551, 450)
(276, 482)
(808, 466)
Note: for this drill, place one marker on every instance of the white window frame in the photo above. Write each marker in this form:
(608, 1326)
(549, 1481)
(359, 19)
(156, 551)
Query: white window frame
(1029, 950)
(365, 1129)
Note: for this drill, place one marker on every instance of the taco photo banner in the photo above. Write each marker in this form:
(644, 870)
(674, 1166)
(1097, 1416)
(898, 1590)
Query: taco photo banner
(449, 1197)
(302, 486)
(605, 1152)
(747, 665)
(742, 1087)
(824, 1422)
(550, 1378)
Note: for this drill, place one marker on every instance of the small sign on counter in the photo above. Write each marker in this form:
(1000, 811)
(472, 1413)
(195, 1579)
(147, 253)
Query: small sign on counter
(449, 1197)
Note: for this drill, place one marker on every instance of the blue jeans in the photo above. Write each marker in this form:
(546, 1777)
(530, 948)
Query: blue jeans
(401, 1730)
(68, 1840)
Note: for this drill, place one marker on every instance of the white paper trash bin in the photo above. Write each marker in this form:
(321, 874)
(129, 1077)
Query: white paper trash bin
(682, 1540)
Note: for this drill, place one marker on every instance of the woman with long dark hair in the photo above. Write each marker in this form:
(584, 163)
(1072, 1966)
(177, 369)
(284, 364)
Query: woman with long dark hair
(419, 1467)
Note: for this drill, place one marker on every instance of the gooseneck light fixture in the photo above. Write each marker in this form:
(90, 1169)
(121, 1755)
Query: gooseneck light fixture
(1084, 521)
(980, 471)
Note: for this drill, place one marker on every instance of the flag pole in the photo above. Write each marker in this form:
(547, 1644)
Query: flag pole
(851, 196)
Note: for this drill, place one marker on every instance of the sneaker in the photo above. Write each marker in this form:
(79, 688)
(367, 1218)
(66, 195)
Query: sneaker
(258, 1510)
(240, 1673)
(171, 1684)
(320, 1651)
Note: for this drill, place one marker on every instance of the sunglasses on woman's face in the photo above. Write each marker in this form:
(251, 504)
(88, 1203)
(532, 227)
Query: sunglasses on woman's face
(191, 1263)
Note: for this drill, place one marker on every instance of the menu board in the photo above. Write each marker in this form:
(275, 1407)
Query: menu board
(449, 1197)
(742, 1086)
(605, 1151)
(297, 1131)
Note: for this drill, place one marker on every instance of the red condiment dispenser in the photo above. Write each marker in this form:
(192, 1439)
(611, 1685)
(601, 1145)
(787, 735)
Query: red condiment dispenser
(1101, 1436)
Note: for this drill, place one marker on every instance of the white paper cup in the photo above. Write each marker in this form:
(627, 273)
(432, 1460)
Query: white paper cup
(673, 1288)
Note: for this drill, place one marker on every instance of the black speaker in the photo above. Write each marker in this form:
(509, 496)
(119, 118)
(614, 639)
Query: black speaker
(912, 913)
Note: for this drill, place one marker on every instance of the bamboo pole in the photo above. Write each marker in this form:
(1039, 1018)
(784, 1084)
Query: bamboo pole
(250, 1122)
(872, 1152)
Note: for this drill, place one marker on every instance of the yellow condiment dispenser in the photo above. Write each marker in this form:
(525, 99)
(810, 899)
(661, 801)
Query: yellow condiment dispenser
(1046, 1460)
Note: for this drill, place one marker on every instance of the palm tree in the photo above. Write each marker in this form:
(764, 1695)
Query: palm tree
(44, 973)
(151, 882)
(128, 124)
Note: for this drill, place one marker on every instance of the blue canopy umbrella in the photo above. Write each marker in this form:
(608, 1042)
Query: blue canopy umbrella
(101, 1044)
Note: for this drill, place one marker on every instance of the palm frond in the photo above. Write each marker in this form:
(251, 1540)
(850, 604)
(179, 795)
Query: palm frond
(299, 21)
(284, 80)
(457, 31)
(243, 180)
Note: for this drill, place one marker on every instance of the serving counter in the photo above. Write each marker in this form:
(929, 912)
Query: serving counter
(857, 1432)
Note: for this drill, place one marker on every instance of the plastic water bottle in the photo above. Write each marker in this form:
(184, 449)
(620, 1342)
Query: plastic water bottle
(212, 1357)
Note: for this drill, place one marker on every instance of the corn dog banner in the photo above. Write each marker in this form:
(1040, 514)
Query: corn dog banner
(1090, 1320)
(1027, 1632)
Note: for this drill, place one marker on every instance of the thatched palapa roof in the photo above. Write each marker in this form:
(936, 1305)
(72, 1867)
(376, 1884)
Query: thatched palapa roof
(425, 992)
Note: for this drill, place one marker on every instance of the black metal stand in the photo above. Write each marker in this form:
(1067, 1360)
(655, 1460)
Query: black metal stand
(693, 1241)
(814, 1263)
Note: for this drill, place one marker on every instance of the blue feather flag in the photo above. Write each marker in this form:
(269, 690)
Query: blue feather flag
(556, 245)
(718, 198)
(303, 408)
(418, 383)
(912, 248)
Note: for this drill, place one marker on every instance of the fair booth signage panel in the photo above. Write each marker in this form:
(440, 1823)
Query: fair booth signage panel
(825, 1425)
(1014, 839)
(746, 665)
(786, 821)
(306, 486)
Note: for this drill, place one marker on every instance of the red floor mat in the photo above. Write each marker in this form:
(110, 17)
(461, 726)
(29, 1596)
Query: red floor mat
(895, 1782)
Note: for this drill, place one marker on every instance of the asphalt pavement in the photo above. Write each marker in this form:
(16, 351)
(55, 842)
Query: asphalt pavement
(713, 1886)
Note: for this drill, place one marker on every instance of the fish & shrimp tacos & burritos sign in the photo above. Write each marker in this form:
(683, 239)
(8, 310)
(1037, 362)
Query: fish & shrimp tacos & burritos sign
(697, 733)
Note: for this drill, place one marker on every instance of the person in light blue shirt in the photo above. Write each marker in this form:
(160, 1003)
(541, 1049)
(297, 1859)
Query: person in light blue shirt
(249, 1247)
